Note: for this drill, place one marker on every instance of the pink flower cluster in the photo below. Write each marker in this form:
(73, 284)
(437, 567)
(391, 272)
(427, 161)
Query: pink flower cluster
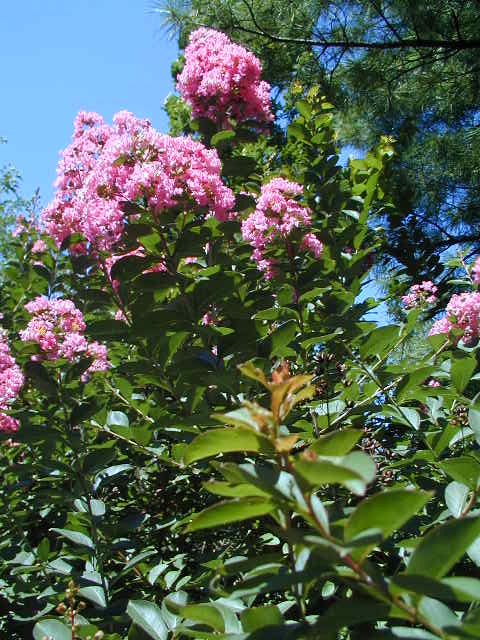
(11, 381)
(26, 225)
(129, 161)
(57, 326)
(221, 80)
(39, 246)
(277, 217)
(21, 227)
(463, 313)
(476, 271)
(420, 295)
(208, 318)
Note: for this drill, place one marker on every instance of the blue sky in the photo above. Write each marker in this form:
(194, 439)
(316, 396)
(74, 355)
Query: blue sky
(61, 56)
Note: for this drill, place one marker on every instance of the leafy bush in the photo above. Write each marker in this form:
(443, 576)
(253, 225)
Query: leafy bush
(208, 445)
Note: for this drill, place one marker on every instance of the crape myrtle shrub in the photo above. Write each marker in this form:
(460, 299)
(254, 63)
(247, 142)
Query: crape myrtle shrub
(203, 435)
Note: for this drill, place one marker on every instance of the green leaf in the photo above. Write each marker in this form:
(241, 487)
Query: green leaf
(117, 418)
(304, 108)
(346, 612)
(352, 213)
(237, 418)
(97, 506)
(337, 443)
(204, 613)
(226, 440)
(379, 340)
(77, 370)
(354, 471)
(456, 495)
(364, 466)
(296, 131)
(386, 511)
(226, 490)
(462, 368)
(222, 136)
(43, 550)
(75, 537)
(223, 513)
(249, 370)
(274, 313)
(404, 633)
(128, 267)
(148, 617)
(171, 608)
(99, 457)
(51, 628)
(452, 589)
(40, 378)
(95, 595)
(473, 552)
(465, 589)
(257, 618)
(42, 271)
(241, 166)
(156, 572)
(409, 386)
(403, 415)
(474, 421)
(243, 201)
(436, 554)
(111, 329)
(319, 512)
(464, 469)
(437, 613)
(83, 411)
(324, 472)
(110, 474)
(282, 337)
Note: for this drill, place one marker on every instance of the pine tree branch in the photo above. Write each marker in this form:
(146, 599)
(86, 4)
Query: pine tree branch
(458, 44)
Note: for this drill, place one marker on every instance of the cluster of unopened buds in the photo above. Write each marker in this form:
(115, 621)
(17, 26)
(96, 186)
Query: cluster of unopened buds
(382, 454)
(70, 610)
(375, 448)
(327, 364)
(460, 416)
(387, 476)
